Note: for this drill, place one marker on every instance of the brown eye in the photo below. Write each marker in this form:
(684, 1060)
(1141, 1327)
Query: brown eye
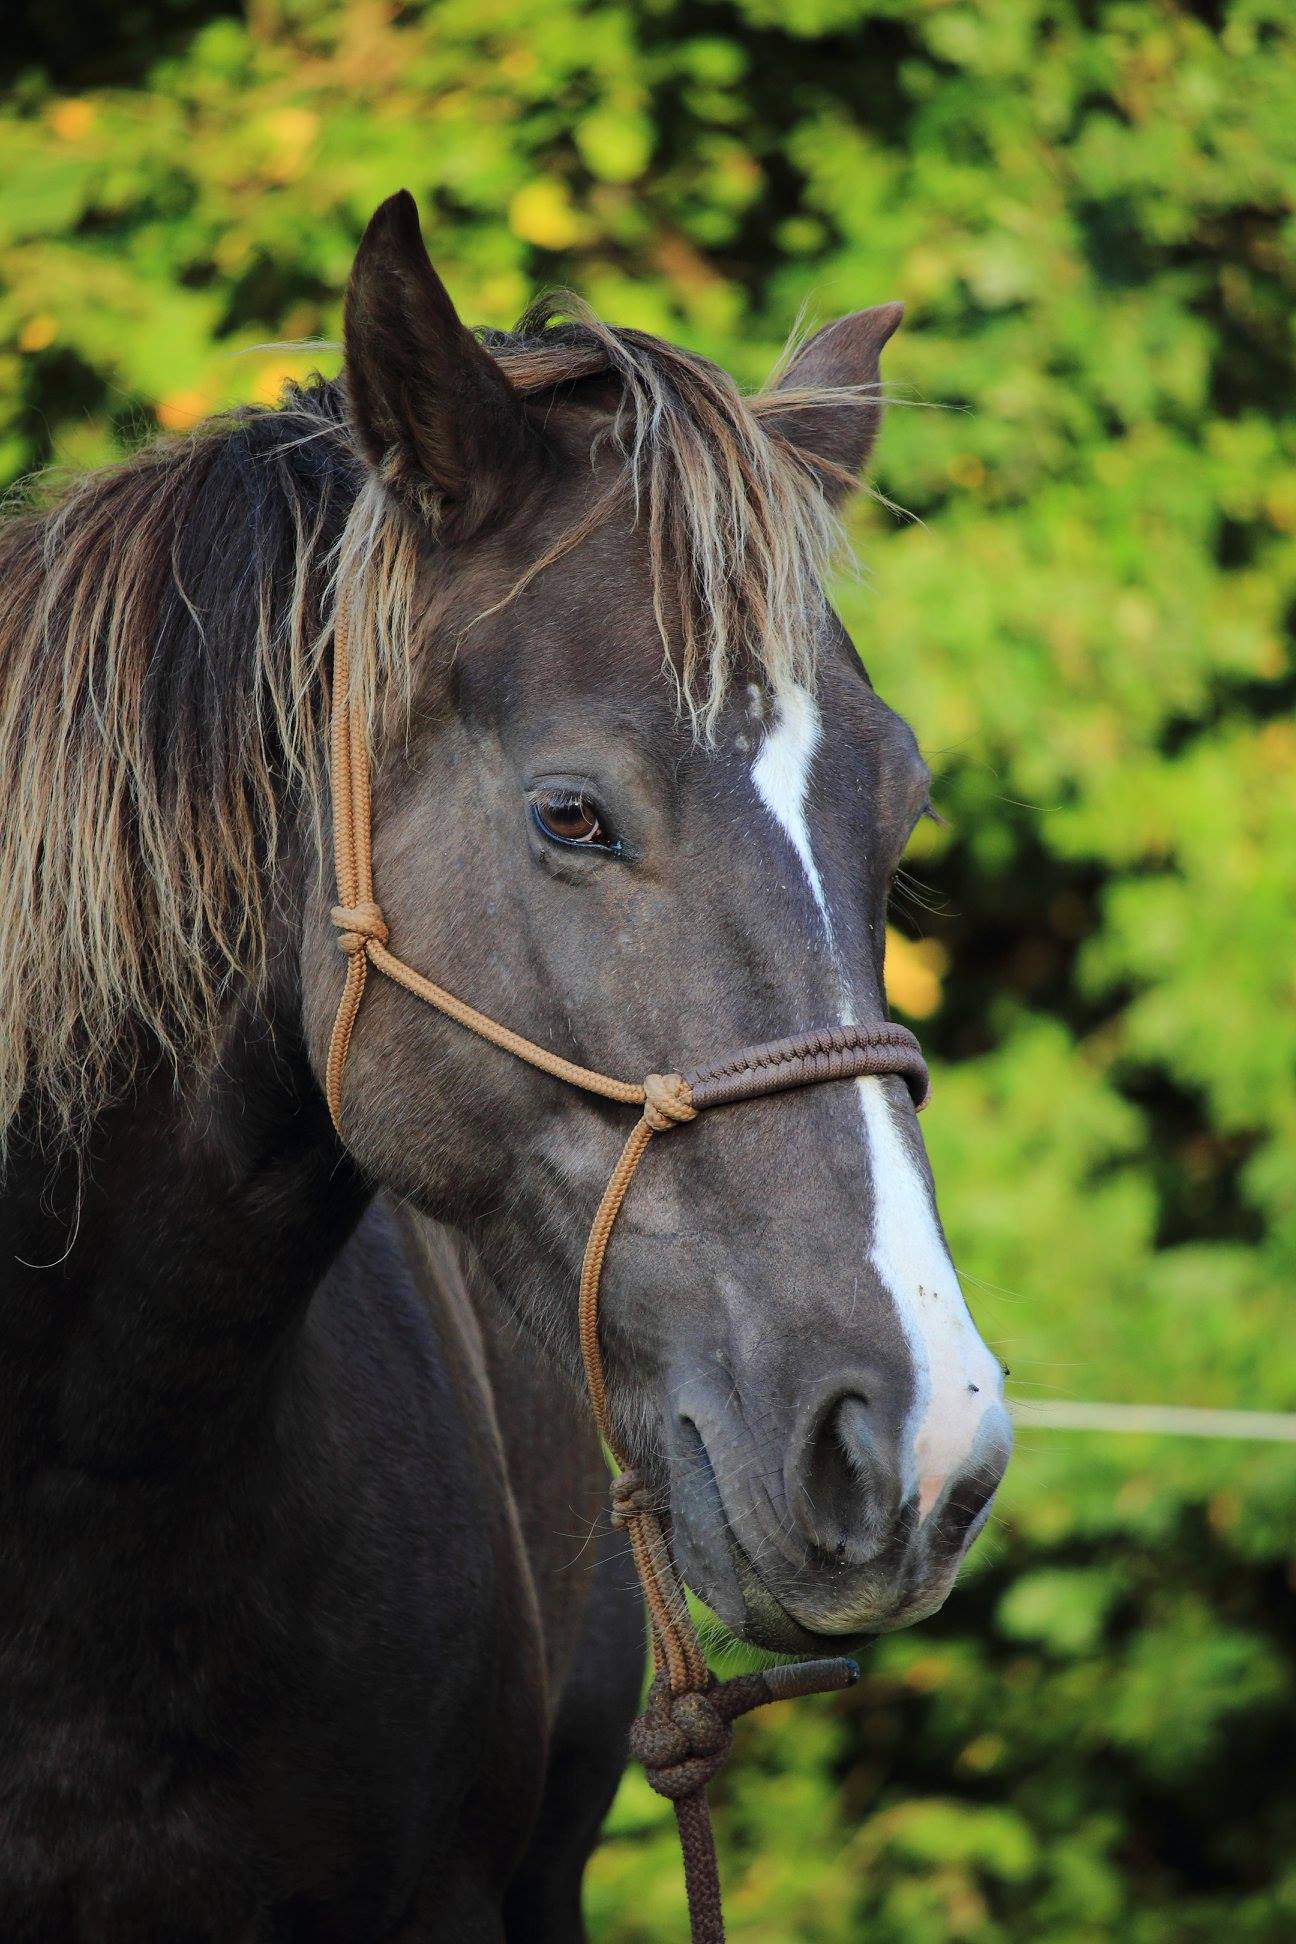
(570, 818)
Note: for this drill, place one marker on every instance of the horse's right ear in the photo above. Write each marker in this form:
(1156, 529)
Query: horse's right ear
(433, 413)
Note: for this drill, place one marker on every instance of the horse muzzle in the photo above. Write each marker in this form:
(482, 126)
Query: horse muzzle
(833, 1544)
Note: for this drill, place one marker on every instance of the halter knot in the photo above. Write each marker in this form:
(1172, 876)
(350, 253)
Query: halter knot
(668, 1101)
(630, 1496)
(357, 924)
(681, 1739)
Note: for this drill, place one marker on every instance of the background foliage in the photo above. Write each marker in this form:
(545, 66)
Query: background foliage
(1088, 205)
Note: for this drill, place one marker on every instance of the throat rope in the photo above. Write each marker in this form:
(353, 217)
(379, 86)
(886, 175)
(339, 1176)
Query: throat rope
(683, 1736)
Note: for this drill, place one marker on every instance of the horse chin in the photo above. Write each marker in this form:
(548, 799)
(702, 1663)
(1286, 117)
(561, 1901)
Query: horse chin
(763, 1620)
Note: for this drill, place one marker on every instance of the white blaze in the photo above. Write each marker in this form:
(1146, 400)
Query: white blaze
(955, 1376)
(781, 774)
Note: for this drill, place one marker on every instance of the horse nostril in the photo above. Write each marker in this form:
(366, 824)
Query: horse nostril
(848, 1495)
(969, 1495)
(966, 1502)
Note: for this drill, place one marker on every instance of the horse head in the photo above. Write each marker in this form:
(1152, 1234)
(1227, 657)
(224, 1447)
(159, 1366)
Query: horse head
(635, 796)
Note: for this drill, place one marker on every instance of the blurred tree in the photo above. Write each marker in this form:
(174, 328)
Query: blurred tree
(1089, 210)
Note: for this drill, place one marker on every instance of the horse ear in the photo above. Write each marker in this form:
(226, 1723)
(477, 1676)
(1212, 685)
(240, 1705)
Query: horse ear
(433, 413)
(836, 432)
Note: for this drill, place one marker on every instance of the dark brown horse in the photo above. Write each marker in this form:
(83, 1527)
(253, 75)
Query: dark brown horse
(302, 1630)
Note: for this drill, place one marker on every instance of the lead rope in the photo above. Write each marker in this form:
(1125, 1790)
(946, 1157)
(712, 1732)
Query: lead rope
(683, 1736)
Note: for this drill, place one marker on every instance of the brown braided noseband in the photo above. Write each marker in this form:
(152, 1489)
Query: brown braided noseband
(683, 1736)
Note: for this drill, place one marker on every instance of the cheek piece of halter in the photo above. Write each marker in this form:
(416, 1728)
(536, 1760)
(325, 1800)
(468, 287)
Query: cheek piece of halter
(683, 1736)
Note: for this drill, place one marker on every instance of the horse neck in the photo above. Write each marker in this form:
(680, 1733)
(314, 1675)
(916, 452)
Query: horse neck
(151, 1289)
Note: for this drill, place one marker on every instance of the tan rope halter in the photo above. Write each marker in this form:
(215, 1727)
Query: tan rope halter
(683, 1736)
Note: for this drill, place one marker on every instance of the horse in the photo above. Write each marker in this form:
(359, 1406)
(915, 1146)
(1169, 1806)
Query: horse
(314, 1626)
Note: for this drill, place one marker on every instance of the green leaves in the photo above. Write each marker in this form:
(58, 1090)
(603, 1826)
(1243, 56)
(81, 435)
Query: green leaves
(1091, 214)
(1064, 1609)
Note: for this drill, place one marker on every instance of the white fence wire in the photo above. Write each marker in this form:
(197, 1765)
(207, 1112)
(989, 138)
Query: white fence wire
(1160, 1420)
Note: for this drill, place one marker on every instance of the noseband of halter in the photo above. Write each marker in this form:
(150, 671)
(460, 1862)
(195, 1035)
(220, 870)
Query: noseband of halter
(683, 1736)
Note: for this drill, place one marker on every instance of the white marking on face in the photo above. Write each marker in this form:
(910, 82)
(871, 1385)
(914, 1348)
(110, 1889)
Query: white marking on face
(781, 774)
(956, 1378)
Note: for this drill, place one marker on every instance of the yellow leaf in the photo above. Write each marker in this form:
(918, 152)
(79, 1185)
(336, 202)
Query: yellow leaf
(272, 378)
(293, 128)
(914, 968)
(292, 133)
(928, 1674)
(982, 1754)
(180, 410)
(542, 213)
(72, 119)
(38, 332)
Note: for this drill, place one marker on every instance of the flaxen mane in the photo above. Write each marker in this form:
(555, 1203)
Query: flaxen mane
(162, 688)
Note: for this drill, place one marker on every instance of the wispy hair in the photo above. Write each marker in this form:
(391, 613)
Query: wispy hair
(164, 633)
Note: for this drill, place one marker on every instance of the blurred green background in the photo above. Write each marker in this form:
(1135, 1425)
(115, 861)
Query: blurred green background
(1086, 611)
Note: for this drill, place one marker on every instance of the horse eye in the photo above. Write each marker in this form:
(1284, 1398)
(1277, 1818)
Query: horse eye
(570, 818)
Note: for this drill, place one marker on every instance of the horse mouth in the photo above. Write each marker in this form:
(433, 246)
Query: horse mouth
(718, 1568)
(769, 1624)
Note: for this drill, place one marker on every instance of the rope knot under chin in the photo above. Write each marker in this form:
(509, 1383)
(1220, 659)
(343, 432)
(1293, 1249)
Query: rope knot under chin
(357, 924)
(682, 1740)
(630, 1496)
(668, 1101)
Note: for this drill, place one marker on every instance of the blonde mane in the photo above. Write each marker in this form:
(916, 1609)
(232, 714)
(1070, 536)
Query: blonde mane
(163, 634)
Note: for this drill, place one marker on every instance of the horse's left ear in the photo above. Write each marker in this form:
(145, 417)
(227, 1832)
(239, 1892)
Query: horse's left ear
(842, 362)
(432, 411)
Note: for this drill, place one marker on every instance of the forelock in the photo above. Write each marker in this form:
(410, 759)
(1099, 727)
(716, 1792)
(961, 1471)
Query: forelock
(741, 535)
